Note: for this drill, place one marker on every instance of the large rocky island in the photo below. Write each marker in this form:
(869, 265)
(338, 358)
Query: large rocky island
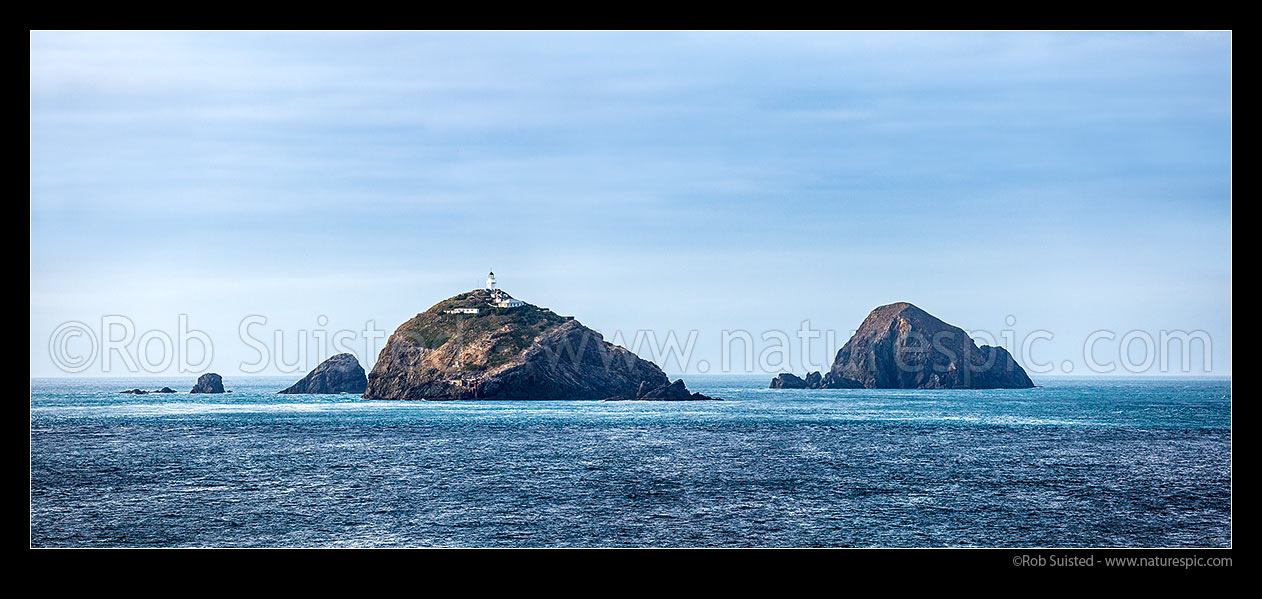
(484, 344)
(900, 346)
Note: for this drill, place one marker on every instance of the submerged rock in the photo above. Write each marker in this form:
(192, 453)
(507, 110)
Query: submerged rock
(143, 392)
(900, 346)
(208, 383)
(339, 374)
(470, 347)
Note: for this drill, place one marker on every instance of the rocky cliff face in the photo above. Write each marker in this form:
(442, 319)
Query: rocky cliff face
(525, 352)
(900, 346)
(208, 383)
(339, 374)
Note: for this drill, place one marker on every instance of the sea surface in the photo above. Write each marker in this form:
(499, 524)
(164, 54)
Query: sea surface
(1073, 462)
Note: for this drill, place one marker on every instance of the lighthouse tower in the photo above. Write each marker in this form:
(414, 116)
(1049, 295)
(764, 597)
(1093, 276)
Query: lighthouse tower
(490, 281)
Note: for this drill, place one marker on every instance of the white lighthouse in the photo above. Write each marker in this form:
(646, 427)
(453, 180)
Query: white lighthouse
(498, 297)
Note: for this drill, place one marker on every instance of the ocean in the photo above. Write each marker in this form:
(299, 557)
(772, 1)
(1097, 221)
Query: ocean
(1071, 463)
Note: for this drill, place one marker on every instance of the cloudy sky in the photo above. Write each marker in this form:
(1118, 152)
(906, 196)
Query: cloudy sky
(663, 181)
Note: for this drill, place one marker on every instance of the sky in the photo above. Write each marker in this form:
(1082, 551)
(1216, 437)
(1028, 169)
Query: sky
(1069, 192)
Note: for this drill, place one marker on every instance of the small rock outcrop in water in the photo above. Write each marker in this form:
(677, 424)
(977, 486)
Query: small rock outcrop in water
(208, 383)
(675, 391)
(787, 380)
(900, 346)
(477, 346)
(339, 374)
(143, 392)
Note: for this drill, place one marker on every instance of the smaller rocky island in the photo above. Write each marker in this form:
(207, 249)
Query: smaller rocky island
(900, 346)
(208, 383)
(339, 374)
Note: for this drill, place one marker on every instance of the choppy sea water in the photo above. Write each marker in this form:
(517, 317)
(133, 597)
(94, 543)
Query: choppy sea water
(1074, 462)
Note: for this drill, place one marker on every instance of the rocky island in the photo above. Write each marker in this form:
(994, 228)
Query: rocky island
(208, 383)
(484, 344)
(900, 346)
(339, 374)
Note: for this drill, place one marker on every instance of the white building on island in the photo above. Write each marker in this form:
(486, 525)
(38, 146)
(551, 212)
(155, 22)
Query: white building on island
(499, 298)
(504, 301)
